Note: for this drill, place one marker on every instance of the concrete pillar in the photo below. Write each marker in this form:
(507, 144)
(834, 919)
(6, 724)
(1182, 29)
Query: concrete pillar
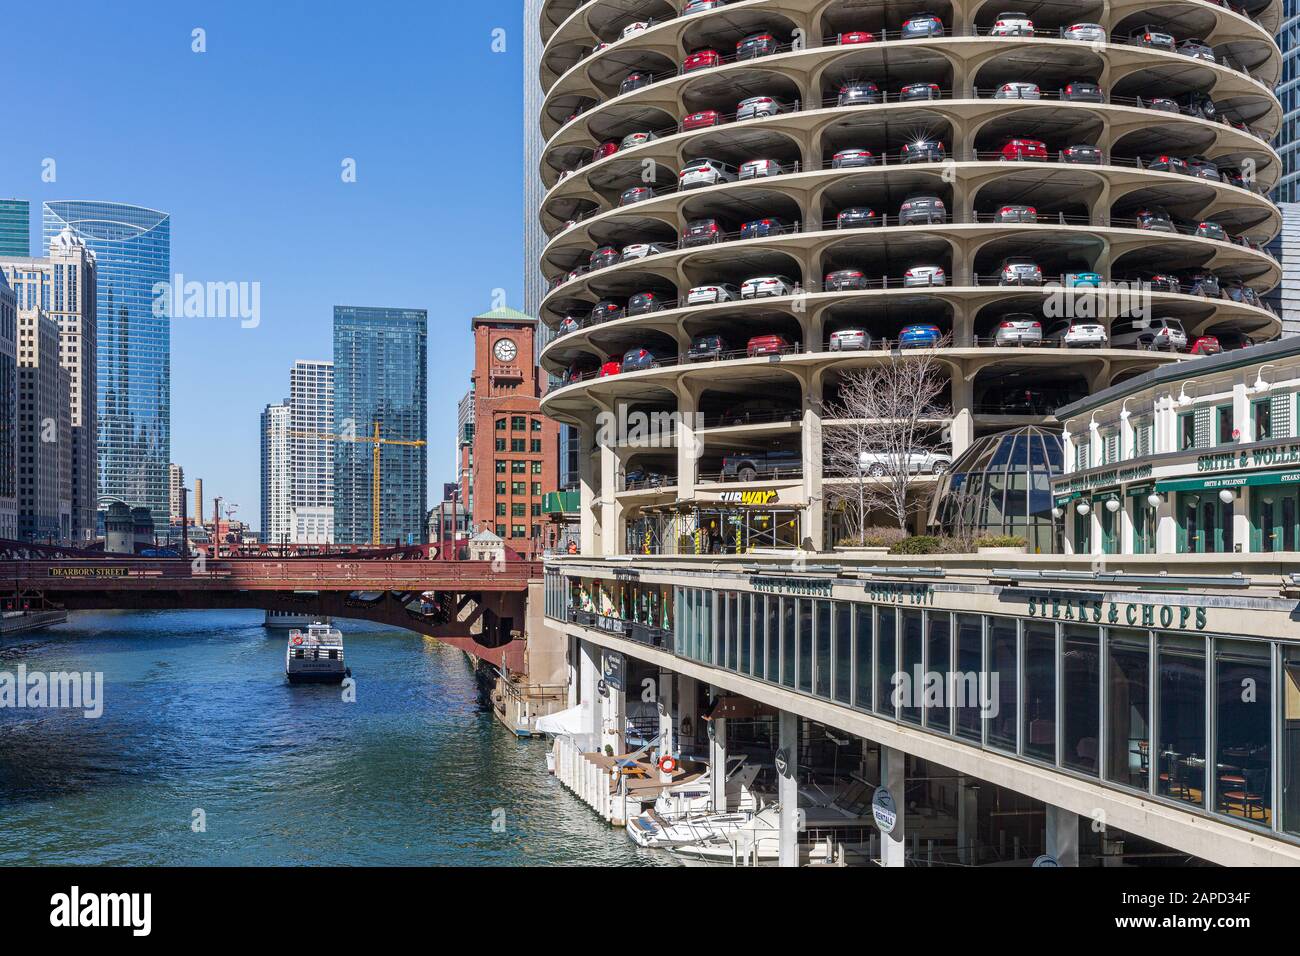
(687, 712)
(1062, 836)
(788, 790)
(893, 776)
(688, 449)
(963, 412)
(968, 801)
(814, 518)
(610, 535)
(571, 658)
(614, 724)
(588, 493)
(718, 762)
(666, 709)
(589, 669)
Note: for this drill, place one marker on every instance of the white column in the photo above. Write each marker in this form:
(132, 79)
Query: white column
(968, 796)
(614, 725)
(788, 789)
(666, 681)
(718, 763)
(1063, 836)
(571, 659)
(893, 776)
(814, 517)
(589, 671)
(588, 493)
(611, 542)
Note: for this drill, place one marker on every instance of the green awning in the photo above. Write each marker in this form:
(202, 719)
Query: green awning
(1214, 483)
(1139, 491)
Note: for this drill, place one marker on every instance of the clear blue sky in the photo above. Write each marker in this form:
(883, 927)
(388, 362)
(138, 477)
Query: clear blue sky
(243, 145)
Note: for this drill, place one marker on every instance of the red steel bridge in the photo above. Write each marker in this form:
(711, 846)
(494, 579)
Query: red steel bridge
(478, 606)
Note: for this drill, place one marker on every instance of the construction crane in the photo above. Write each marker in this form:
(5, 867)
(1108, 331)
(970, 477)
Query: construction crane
(378, 443)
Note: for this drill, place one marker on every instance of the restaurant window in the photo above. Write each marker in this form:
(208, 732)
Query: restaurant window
(1128, 717)
(1275, 519)
(843, 689)
(746, 632)
(822, 650)
(806, 620)
(1080, 697)
(1082, 531)
(1205, 524)
(789, 630)
(886, 659)
(774, 639)
(1290, 742)
(1110, 524)
(1223, 425)
(1243, 725)
(1186, 431)
(862, 677)
(973, 688)
(1002, 666)
(938, 662)
(1261, 419)
(1180, 696)
(912, 676)
(1039, 704)
(1144, 525)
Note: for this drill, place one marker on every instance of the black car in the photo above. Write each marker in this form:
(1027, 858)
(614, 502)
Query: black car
(1082, 91)
(703, 232)
(1162, 103)
(1244, 294)
(606, 309)
(1200, 104)
(605, 256)
(1162, 282)
(758, 228)
(857, 217)
(1155, 219)
(1231, 339)
(634, 360)
(1202, 168)
(925, 210)
(923, 151)
(645, 302)
(1082, 154)
(1168, 164)
(635, 81)
(642, 478)
(1203, 283)
(919, 91)
(755, 45)
(1151, 38)
(707, 347)
(859, 92)
(844, 280)
(636, 194)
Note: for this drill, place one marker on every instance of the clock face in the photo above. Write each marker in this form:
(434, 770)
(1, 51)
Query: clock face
(505, 350)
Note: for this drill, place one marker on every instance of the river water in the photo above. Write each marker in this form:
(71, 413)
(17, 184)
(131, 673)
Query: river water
(198, 717)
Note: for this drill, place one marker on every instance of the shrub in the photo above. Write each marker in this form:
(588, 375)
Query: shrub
(920, 544)
(1001, 541)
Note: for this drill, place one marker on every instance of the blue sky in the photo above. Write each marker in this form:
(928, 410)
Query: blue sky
(243, 145)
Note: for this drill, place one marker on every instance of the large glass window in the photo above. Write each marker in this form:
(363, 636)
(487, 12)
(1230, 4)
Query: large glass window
(1002, 676)
(1040, 690)
(805, 672)
(746, 631)
(862, 665)
(1243, 720)
(912, 679)
(1290, 741)
(773, 638)
(886, 659)
(1128, 720)
(843, 652)
(822, 650)
(1081, 697)
(706, 628)
(971, 687)
(938, 662)
(789, 623)
(1180, 696)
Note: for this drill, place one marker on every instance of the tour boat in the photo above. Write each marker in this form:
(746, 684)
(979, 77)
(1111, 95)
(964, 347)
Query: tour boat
(316, 656)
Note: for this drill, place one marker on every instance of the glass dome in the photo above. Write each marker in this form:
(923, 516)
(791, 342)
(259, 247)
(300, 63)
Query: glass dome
(1002, 484)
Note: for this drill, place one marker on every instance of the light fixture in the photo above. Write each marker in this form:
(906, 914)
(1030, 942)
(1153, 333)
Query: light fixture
(1226, 496)
(1154, 500)
(1058, 512)
(1112, 505)
(1261, 385)
(1083, 507)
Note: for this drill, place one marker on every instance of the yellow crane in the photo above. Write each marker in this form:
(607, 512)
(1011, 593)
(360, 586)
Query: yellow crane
(378, 444)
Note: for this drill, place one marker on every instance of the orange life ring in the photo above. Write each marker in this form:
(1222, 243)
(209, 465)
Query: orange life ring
(667, 764)
(297, 639)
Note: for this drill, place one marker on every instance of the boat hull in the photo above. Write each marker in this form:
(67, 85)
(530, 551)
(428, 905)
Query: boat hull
(315, 677)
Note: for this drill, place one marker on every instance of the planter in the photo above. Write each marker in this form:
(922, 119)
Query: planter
(1003, 552)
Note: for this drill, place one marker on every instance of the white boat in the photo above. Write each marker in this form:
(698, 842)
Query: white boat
(315, 656)
(283, 620)
(684, 813)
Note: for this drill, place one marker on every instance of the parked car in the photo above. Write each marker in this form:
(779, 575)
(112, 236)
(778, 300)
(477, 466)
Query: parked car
(610, 368)
(1019, 270)
(1022, 149)
(1083, 280)
(752, 465)
(850, 340)
(577, 371)
(856, 36)
(858, 92)
(1162, 282)
(923, 276)
(922, 25)
(605, 310)
(919, 337)
(766, 345)
(636, 139)
(638, 359)
(1082, 91)
(844, 279)
(643, 303)
(1163, 334)
(635, 27)
(1082, 154)
(760, 228)
(641, 250)
(1018, 90)
(756, 45)
(1154, 219)
(852, 159)
(1210, 230)
(1012, 25)
(1016, 212)
(1231, 340)
(759, 169)
(701, 120)
(705, 172)
(603, 150)
(567, 324)
(701, 60)
(702, 232)
(1018, 328)
(762, 287)
(923, 151)
(604, 256)
(1197, 49)
(920, 461)
(1203, 168)
(1088, 32)
(857, 217)
(1076, 334)
(757, 107)
(708, 294)
(699, 6)
(925, 209)
(1204, 284)
(1168, 164)
(1151, 38)
(1162, 103)
(707, 348)
(1206, 345)
(642, 478)
(635, 195)
(635, 81)
(920, 91)
(1238, 292)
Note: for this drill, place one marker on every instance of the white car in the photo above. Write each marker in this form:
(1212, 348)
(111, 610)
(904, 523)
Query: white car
(850, 340)
(757, 106)
(924, 276)
(1018, 328)
(636, 139)
(1018, 91)
(1073, 335)
(705, 172)
(1163, 334)
(921, 461)
(762, 287)
(1087, 32)
(639, 250)
(1012, 25)
(598, 47)
(706, 294)
(759, 169)
(636, 27)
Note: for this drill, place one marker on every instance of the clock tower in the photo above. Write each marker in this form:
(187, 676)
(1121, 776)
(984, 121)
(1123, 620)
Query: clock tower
(515, 448)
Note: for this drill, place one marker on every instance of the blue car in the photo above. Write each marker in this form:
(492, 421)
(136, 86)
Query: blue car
(919, 337)
(1080, 279)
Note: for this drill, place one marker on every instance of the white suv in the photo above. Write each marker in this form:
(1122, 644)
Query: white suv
(1164, 334)
(705, 172)
(924, 461)
(761, 287)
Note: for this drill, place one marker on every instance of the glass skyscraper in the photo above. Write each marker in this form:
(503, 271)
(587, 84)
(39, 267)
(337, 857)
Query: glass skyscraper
(380, 379)
(132, 246)
(1288, 93)
(15, 227)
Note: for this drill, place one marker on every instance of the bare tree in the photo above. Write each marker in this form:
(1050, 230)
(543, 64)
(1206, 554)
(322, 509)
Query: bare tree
(884, 417)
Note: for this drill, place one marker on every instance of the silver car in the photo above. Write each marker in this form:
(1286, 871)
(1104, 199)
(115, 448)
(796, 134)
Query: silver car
(1087, 32)
(1018, 91)
(1018, 328)
(850, 340)
(762, 287)
(918, 276)
(758, 106)
(706, 294)
(759, 168)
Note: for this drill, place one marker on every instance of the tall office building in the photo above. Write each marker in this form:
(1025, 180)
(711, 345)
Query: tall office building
(44, 447)
(176, 502)
(62, 285)
(311, 452)
(1288, 94)
(8, 415)
(277, 526)
(380, 385)
(15, 227)
(132, 247)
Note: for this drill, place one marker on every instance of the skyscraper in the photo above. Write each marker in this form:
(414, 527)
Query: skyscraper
(276, 519)
(1288, 93)
(132, 247)
(176, 502)
(15, 227)
(62, 286)
(311, 454)
(44, 432)
(8, 417)
(380, 386)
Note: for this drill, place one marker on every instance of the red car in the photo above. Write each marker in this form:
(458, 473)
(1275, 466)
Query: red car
(1206, 345)
(1024, 149)
(603, 150)
(701, 120)
(700, 60)
(857, 36)
(766, 345)
(610, 368)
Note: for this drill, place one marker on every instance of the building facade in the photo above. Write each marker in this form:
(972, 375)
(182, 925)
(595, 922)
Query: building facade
(1288, 94)
(277, 474)
(44, 459)
(380, 392)
(311, 401)
(15, 227)
(8, 411)
(176, 494)
(132, 248)
(63, 285)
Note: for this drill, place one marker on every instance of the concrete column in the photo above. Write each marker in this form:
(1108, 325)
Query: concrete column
(610, 535)
(968, 799)
(1063, 836)
(688, 452)
(665, 704)
(814, 518)
(718, 762)
(588, 493)
(589, 670)
(614, 725)
(687, 712)
(788, 789)
(963, 412)
(571, 658)
(893, 776)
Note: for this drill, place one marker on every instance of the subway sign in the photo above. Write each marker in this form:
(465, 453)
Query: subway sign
(1121, 613)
